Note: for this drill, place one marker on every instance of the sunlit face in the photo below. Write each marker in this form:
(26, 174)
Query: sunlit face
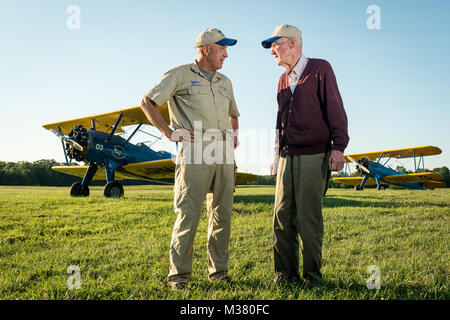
(280, 50)
(216, 56)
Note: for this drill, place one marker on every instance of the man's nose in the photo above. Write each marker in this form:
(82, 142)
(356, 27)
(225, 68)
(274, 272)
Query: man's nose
(272, 51)
(225, 53)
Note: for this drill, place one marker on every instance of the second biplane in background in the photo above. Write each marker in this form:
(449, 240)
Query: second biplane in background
(375, 173)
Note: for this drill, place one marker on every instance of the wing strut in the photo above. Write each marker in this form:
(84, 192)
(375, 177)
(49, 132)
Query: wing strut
(64, 147)
(115, 127)
(134, 132)
(363, 182)
(421, 160)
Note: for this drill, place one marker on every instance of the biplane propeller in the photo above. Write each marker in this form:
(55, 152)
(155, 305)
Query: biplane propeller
(375, 173)
(70, 143)
(362, 165)
(102, 147)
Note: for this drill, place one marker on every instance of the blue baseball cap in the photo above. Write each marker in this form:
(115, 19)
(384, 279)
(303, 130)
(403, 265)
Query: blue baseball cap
(227, 42)
(214, 35)
(268, 42)
(282, 31)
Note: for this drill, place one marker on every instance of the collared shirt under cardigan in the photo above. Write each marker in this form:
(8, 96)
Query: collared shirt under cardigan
(295, 74)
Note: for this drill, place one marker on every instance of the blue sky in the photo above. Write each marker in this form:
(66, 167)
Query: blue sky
(395, 81)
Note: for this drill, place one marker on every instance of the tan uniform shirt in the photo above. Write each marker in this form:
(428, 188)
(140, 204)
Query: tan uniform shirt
(192, 97)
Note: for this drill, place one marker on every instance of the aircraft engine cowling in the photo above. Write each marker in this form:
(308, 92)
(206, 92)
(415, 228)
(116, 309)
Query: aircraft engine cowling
(81, 136)
(363, 162)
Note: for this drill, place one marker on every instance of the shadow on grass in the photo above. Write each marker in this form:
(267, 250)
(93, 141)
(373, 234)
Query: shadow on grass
(332, 201)
(334, 290)
(257, 199)
(360, 291)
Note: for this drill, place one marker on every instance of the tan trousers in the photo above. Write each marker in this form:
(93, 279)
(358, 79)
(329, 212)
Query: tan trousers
(194, 182)
(301, 185)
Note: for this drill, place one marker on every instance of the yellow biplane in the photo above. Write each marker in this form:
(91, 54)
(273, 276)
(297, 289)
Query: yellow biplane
(101, 147)
(374, 172)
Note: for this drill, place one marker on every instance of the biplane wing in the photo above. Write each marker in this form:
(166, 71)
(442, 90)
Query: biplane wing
(413, 177)
(165, 169)
(427, 178)
(80, 171)
(434, 184)
(354, 181)
(157, 171)
(105, 121)
(242, 177)
(396, 153)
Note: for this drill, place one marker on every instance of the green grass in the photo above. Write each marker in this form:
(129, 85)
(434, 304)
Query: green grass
(121, 245)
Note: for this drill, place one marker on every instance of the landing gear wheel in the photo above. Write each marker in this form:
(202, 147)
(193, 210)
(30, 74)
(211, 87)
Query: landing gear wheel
(358, 187)
(113, 189)
(78, 191)
(382, 187)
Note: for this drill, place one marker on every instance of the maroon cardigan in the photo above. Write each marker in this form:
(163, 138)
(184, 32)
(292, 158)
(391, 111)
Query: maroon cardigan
(311, 120)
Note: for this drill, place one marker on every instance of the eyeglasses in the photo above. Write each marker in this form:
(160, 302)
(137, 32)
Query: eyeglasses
(276, 44)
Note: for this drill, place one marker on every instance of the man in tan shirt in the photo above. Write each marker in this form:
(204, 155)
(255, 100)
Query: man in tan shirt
(204, 121)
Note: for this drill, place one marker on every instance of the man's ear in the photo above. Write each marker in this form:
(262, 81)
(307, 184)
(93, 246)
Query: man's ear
(205, 50)
(291, 42)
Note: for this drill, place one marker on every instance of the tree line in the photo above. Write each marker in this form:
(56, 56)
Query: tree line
(39, 173)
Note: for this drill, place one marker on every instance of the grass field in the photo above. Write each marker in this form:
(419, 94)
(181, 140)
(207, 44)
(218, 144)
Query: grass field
(121, 245)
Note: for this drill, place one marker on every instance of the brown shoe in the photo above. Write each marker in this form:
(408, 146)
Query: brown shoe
(225, 279)
(312, 284)
(282, 278)
(178, 286)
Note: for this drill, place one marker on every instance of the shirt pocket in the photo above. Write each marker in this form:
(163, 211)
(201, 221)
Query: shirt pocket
(182, 90)
(194, 90)
(223, 99)
(199, 96)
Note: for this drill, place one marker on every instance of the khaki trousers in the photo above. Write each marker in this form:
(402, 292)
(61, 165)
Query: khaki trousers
(194, 182)
(301, 185)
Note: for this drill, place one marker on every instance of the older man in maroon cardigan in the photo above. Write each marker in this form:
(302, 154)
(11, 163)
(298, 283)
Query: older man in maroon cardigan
(312, 137)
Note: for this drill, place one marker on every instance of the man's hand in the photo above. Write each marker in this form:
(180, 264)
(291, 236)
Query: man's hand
(179, 135)
(336, 161)
(235, 138)
(274, 165)
(235, 125)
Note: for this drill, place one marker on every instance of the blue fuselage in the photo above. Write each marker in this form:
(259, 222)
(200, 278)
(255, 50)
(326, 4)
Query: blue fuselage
(378, 171)
(113, 152)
